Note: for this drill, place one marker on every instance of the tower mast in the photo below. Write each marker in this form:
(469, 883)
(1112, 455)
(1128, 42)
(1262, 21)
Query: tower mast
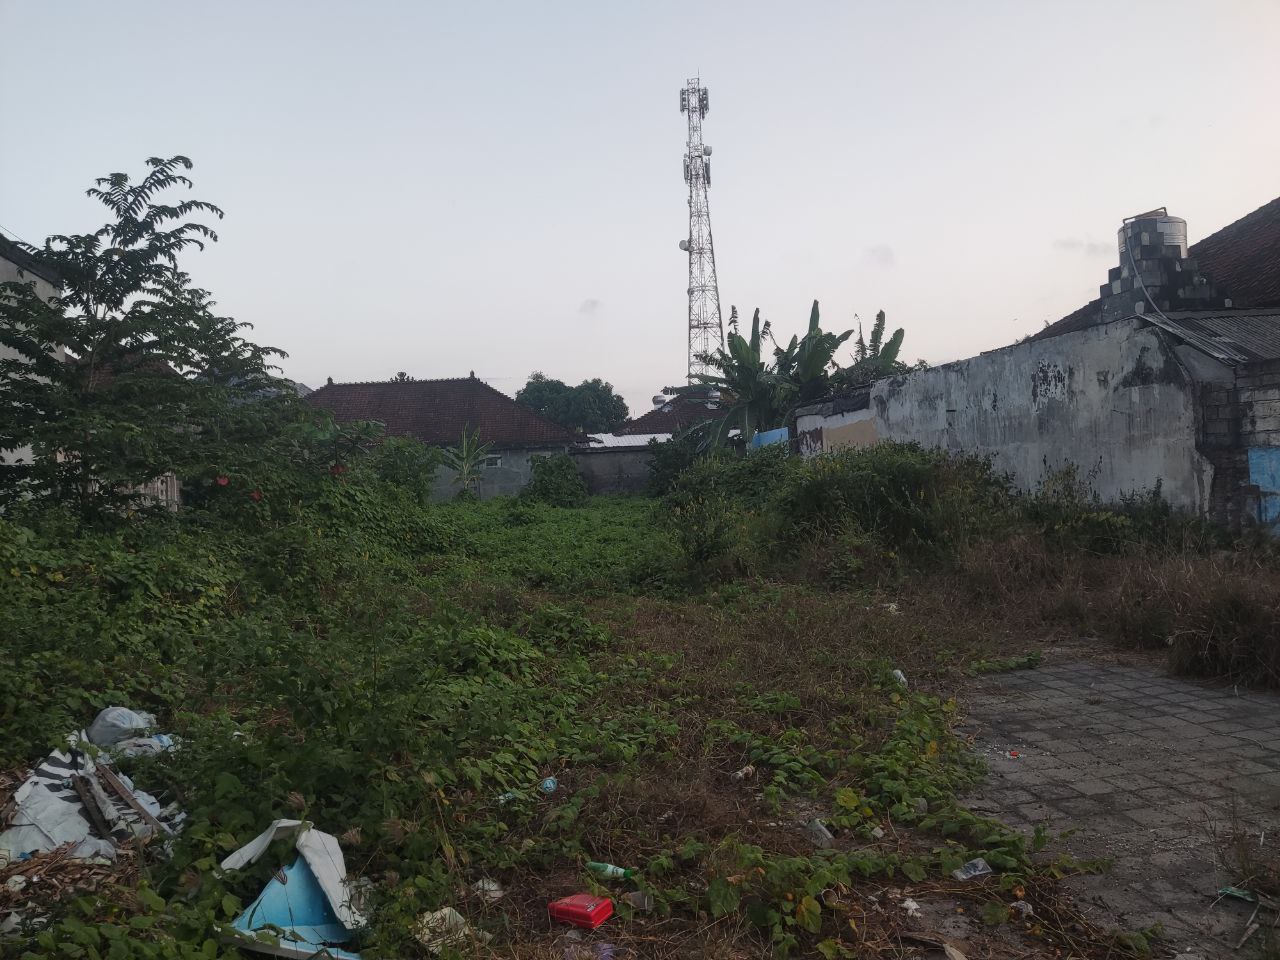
(706, 332)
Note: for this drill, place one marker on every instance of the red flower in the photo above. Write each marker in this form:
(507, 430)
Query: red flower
(222, 480)
(255, 496)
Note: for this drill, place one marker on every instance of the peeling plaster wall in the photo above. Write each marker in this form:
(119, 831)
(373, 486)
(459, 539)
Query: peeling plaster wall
(1113, 400)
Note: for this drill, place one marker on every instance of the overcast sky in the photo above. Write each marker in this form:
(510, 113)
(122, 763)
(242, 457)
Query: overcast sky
(441, 187)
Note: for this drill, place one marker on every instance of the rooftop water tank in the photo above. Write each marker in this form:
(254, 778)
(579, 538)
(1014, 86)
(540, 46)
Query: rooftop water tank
(1152, 229)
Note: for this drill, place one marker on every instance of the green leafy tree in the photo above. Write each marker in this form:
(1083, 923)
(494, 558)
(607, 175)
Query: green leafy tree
(153, 381)
(465, 460)
(591, 406)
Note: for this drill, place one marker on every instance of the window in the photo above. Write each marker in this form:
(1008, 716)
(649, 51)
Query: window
(488, 463)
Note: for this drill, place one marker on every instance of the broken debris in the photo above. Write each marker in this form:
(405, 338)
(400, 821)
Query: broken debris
(446, 927)
(306, 907)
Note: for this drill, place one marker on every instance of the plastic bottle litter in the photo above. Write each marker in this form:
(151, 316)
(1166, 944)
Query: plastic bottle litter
(549, 786)
(609, 870)
(639, 900)
(748, 771)
(900, 677)
(974, 868)
(819, 834)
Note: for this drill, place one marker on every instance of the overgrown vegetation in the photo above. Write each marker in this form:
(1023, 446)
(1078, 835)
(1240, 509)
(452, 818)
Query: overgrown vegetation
(704, 673)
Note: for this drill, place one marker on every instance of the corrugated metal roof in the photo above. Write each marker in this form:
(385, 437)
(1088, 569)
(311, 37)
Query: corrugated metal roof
(1236, 336)
(605, 440)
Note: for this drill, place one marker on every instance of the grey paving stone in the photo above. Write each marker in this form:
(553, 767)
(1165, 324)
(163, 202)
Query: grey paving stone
(1146, 766)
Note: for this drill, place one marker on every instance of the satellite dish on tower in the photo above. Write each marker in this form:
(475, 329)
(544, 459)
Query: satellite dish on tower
(684, 245)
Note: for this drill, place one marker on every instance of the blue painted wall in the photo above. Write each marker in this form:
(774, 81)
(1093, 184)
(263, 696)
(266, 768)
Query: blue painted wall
(766, 437)
(1264, 470)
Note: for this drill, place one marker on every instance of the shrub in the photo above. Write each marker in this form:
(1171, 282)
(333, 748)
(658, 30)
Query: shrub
(912, 499)
(668, 460)
(556, 481)
(754, 476)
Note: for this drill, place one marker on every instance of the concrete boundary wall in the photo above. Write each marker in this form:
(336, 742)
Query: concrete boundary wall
(1113, 401)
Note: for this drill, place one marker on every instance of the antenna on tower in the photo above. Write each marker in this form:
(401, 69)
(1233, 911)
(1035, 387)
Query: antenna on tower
(706, 332)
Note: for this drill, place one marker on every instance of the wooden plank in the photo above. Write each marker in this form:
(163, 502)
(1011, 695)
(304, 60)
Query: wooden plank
(123, 792)
(80, 784)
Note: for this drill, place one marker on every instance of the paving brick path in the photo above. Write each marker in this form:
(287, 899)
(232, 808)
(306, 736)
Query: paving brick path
(1149, 768)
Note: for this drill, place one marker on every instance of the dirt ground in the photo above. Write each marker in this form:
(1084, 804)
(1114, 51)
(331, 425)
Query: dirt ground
(1151, 772)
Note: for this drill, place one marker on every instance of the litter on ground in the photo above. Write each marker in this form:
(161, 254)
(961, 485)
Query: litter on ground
(306, 908)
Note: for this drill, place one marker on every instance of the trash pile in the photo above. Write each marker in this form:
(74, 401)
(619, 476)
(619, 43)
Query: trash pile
(74, 815)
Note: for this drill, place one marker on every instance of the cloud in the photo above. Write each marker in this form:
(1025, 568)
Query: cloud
(880, 255)
(1088, 248)
(589, 306)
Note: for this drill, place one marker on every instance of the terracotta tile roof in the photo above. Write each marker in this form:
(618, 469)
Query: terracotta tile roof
(1242, 260)
(438, 411)
(677, 414)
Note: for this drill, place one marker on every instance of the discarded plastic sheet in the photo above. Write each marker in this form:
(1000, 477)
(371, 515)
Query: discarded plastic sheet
(489, 889)
(748, 771)
(584, 910)
(321, 853)
(115, 724)
(900, 677)
(819, 834)
(912, 908)
(446, 927)
(69, 796)
(1023, 909)
(977, 867)
(292, 917)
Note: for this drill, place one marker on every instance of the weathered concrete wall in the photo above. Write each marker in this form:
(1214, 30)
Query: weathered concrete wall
(504, 479)
(614, 469)
(1258, 398)
(10, 273)
(1113, 401)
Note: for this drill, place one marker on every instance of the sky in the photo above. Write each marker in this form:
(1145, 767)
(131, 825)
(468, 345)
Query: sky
(437, 188)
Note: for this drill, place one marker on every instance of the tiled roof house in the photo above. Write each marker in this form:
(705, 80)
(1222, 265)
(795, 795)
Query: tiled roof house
(437, 412)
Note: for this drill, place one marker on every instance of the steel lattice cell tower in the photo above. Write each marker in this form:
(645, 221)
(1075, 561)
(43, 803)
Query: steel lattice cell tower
(706, 333)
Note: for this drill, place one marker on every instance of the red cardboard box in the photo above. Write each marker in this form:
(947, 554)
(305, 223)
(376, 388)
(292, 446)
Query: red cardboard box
(582, 910)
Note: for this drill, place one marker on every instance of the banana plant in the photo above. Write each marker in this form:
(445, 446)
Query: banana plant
(802, 368)
(465, 460)
(745, 381)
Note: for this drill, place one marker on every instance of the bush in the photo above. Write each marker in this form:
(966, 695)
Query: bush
(668, 460)
(754, 476)
(911, 499)
(556, 482)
